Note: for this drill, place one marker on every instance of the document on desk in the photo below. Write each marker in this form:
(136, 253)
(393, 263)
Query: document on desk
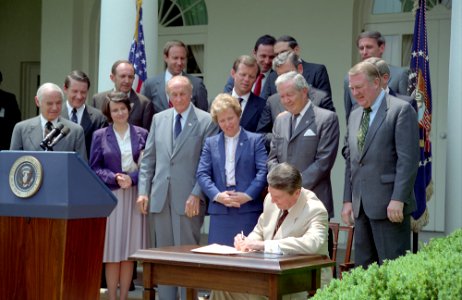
(216, 249)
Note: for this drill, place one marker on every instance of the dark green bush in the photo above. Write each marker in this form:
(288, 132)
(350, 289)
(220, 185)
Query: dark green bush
(435, 272)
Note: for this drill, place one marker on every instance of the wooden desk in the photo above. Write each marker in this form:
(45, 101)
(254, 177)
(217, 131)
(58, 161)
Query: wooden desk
(255, 273)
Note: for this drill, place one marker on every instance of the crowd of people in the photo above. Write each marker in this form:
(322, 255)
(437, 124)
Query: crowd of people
(257, 158)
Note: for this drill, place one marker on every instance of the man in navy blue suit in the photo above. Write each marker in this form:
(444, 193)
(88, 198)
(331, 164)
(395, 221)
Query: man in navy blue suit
(244, 72)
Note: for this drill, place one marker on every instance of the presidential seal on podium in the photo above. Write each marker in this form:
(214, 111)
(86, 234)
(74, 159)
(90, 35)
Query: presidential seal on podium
(26, 176)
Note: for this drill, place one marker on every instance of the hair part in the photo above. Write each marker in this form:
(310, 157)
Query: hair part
(267, 40)
(285, 177)
(77, 76)
(174, 43)
(371, 35)
(247, 60)
(115, 97)
(298, 80)
(284, 57)
(223, 102)
(292, 42)
(367, 68)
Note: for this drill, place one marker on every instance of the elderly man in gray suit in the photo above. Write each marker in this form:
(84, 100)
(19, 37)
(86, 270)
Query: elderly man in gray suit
(372, 44)
(28, 134)
(283, 63)
(382, 157)
(167, 184)
(306, 136)
(175, 58)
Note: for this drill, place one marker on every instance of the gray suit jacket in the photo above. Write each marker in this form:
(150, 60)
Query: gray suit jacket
(92, 119)
(312, 149)
(141, 112)
(28, 134)
(168, 170)
(387, 167)
(154, 90)
(398, 82)
(274, 107)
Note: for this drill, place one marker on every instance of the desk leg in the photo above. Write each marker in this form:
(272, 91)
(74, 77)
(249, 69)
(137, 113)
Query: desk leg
(273, 289)
(191, 294)
(149, 293)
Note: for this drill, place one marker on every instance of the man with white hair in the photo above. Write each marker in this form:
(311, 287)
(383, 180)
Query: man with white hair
(28, 134)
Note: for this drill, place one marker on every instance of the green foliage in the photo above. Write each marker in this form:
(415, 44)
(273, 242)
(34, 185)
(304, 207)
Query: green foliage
(435, 272)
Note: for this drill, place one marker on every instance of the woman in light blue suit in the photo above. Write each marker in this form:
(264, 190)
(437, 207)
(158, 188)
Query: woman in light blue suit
(232, 173)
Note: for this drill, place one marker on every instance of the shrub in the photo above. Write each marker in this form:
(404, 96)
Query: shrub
(435, 272)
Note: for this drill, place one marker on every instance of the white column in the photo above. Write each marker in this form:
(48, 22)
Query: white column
(454, 146)
(117, 27)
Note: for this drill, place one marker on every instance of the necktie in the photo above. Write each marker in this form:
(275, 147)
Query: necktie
(170, 104)
(48, 128)
(240, 101)
(177, 125)
(257, 89)
(293, 124)
(281, 219)
(74, 116)
(363, 128)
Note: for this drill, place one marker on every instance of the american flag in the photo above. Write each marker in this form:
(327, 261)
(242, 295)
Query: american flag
(419, 84)
(137, 55)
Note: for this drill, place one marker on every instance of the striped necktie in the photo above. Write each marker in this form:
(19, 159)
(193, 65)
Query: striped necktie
(363, 128)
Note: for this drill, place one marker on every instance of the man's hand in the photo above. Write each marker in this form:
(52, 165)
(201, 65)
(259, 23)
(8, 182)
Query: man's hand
(242, 243)
(142, 203)
(395, 211)
(347, 213)
(192, 206)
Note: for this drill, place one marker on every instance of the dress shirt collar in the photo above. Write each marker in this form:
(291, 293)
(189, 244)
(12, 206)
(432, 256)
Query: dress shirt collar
(79, 111)
(44, 121)
(184, 115)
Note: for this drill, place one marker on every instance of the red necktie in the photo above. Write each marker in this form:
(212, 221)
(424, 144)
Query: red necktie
(257, 88)
(281, 219)
(170, 104)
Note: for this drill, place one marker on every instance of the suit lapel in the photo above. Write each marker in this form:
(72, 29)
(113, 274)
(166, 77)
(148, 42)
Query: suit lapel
(162, 92)
(249, 111)
(304, 123)
(241, 144)
(376, 123)
(35, 133)
(294, 213)
(189, 126)
(222, 153)
(86, 120)
(112, 142)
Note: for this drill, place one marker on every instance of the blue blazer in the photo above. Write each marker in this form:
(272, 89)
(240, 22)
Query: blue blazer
(252, 112)
(250, 170)
(105, 158)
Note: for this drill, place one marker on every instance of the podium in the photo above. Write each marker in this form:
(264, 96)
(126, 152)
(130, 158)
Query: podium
(53, 211)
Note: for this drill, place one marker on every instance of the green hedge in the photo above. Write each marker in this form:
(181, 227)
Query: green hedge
(435, 272)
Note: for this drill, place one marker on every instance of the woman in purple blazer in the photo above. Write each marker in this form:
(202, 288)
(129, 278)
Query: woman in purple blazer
(115, 152)
(232, 173)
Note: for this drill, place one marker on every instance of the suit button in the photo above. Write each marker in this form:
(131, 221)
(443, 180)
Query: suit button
(168, 177)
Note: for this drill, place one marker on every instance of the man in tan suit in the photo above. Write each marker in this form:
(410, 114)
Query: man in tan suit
(302, 231)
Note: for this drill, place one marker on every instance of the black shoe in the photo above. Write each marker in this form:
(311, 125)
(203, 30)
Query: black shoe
(132, 287)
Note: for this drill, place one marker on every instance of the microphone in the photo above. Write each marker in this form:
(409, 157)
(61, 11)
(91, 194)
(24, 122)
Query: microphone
(50, 136)
(65, 131)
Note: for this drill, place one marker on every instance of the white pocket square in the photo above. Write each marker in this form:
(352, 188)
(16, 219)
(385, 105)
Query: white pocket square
(309, 132)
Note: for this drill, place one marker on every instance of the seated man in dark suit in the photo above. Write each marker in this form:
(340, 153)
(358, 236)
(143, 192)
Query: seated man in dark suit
(28, 134)
(123, 75)
(76, 87)
(244, 73)
(175, 58)
(9, 116)
(315, 74)
(264, 54)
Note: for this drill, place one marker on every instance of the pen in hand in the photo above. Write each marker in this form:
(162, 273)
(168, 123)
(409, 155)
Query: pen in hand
(242, 235)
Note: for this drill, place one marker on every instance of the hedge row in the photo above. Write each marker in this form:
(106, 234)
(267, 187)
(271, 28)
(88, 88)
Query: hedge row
(435, 272)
